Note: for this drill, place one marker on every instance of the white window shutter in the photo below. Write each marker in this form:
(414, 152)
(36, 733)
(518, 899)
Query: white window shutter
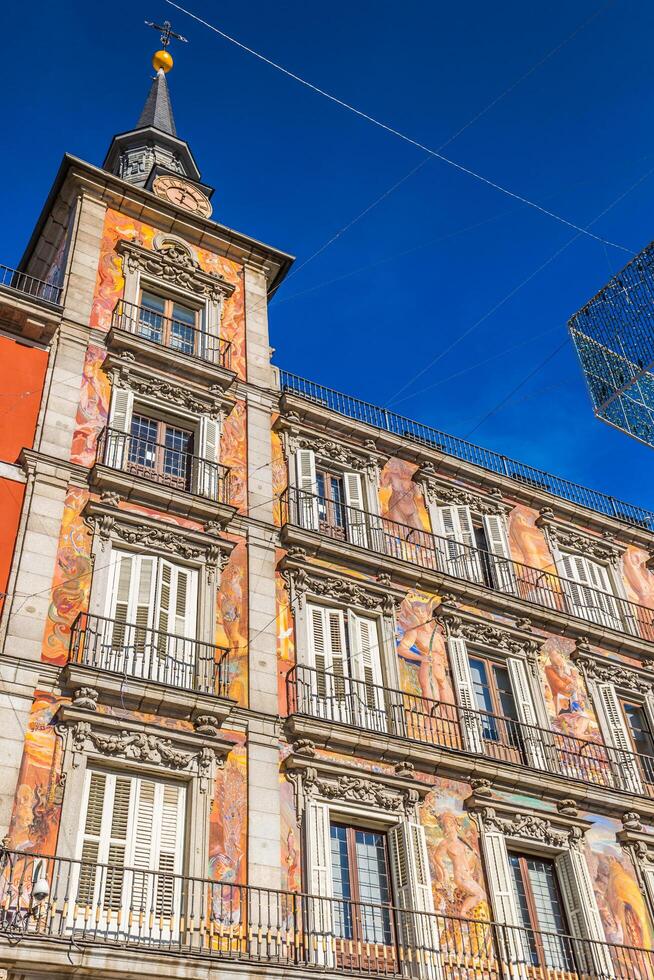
(497, 540)
(605, 601)
(471, 729)
(367, 690)
(589, 591)
(119, 426)
(504, 903)
(532, 738)
(208, 454)
(176, 624)
(648, 878)
(356, 518)
(623, 758)
(307, 500)
(327, 655)
(583, 912)
(417, 925)
(460, 556)
(338, 686)
(320, 883)
(130, 606)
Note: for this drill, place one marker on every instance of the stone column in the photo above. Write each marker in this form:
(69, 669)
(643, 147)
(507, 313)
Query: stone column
(264, 824)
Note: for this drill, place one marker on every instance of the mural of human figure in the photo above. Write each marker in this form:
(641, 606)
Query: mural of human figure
(405, 497)
(421, 644)
(457, 854)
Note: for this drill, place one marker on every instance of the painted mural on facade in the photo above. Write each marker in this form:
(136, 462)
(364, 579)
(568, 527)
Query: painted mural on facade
(228, 822)
(232, 618)
(71, 581)
(400, 498)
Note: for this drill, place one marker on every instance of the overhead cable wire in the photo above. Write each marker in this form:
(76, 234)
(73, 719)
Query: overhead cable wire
(462, 129)
(398, 133)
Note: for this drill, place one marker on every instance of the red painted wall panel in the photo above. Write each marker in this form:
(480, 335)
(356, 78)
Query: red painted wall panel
(22, 372)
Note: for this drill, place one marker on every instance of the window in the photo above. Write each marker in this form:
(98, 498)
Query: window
(139, 440)
(168, 322)
(640, 733)
(331, 499)
(474, 547)
(500, 722)
(330, 502)
(130, 847)
(589, 590)
(158, 448)
(342, 679)
(150, 625)
(541, 912)
(361, 883)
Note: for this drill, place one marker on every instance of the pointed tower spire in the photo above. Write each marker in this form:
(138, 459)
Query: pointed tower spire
(158, 111)
(153, 145)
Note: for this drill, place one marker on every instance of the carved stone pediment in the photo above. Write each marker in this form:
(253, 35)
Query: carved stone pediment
(87, 732)
(442, 494)
(604, 671)
(124, 372)
(109, 522)
(173, 262)
(512, 640)
(569, 538)
(518, 823)
(302, 581)
(323, 779)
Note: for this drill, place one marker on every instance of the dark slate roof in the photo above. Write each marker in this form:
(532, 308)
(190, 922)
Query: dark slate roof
(158, 111)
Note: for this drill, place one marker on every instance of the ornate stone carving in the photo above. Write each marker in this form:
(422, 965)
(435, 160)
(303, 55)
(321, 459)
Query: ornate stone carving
(404, 768)
(601, 549)
(568, 808)
(481, 787)
(173, 263)
(206, 725)
(110, 498)
(165, 391)
(528, 826)
(360, 789)
(613, 673)
(139, 747)
(487, 634)
(442, 494)
(86, 697)
(304, 746)
(335, 452)
(299, 581)
(631, 820)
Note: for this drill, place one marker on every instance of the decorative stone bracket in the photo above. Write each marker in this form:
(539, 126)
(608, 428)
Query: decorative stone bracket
(323, 779)
(441, 494)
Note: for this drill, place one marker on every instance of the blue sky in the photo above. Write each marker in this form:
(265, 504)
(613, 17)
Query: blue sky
(400, 286)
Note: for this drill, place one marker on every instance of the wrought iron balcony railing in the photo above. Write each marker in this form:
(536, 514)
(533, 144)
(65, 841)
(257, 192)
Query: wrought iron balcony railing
(163, 464)
(353, 702)
(30, 285)
(149, 654)
(91, 904)
(168, 332)
(512, 578)
(399, 425)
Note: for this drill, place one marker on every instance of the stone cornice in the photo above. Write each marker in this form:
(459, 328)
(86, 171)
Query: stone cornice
(175, 264)
(398, 793)
(566, 536)
(602, 670)
(554, 830)
(516, 640)
(307, 581)
(441, 493)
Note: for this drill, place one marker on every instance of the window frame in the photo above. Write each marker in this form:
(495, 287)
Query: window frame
(170, 297)
(535, 928)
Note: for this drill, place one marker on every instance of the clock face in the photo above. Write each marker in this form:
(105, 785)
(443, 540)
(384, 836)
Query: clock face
(182, 194)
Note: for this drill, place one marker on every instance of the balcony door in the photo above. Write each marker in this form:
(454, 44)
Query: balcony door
(457, 544)
(345, 682)
(642, 740)
(546, 941)
(130, 847)
(160, 451)
(150, 620)
(499, 718)
(329, 501)
(168, 322)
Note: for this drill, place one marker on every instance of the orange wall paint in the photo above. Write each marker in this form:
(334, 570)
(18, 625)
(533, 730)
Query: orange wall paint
(11, 502)
(22, 371)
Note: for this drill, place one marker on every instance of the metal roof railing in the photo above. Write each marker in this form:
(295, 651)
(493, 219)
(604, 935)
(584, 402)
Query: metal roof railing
(30, 285)
(399, 425)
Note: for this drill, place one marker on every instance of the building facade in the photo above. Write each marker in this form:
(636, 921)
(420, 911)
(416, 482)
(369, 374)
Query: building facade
(291, 684)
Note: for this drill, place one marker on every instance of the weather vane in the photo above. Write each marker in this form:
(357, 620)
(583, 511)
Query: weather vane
(163, 59)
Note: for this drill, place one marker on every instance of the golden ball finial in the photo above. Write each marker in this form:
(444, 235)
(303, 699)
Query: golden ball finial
(161, 59)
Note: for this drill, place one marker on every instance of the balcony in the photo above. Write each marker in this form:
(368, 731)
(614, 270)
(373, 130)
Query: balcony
(149, 669)
(319, 400)
(160, 340)
(81, 905)
(395, 715)
(379, 536)
(29, 305)
(162, 475)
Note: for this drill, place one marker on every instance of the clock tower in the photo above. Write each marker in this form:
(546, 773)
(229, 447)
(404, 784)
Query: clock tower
(152, 155)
